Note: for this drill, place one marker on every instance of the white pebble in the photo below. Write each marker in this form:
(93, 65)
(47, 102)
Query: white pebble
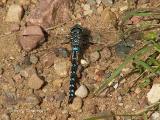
(82, 91)
(84, 63)
(153, 95)
(86, 7)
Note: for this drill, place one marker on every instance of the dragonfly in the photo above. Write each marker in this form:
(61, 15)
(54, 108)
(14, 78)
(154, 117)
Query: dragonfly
(76, 44)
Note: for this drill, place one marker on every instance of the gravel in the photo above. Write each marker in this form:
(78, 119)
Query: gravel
(82, 91)
(35, 82)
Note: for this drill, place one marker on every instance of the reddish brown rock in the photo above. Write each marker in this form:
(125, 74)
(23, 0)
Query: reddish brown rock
(15, 27)
(48, 11)
(33, 30)
(31, 37)
(47, 59)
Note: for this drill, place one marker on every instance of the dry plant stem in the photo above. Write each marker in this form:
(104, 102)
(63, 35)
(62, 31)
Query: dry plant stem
(5, 34)
(141, 112)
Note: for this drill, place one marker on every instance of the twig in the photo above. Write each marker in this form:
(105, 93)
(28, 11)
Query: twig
(5, 34)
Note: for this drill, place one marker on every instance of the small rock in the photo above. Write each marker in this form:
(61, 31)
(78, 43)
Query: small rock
(108, 2)
(136, 19)
(61, 52)
(123, 8)
(35, 82)
(84, 63)
(153, 95)
(115, 86)
(119, 98)
(48, 59)
(98, 1)
(33, 59)
(120, 104)
(155, 116)
(99, 75)
(26, 60)
(88, 12)
(53, 117)
(33, 30)
(87, 7)
(33, 100)
(91, 2)
(123, 48)
(57, 83)
(17, 78)
(10, 98)
(5, 116)
(17, 68)
(60, 96)
(14, 13)
(15, 27)
(82, 91)
(61, 67)
(29, 43)
(77, 104)
(32, 36)
(28, 71)
(71, 119)
(99, 9)
(94, 56)
(106, 53)
(137, 90)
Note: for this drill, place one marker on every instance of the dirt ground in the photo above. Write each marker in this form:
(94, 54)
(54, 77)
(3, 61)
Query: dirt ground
(52, 97)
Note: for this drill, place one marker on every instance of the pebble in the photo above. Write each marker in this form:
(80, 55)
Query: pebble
(15, 27)
(115, 86)
(26, 60)
(99, 9)
(35, 82)
(15, 13)
(57, 83)
(61, 52)
(108, 2)
(60, 96)
(155, 116)
(33, 100)
(28, 71)
(88, 12)
(10, 98)
(33, 59)
(32, 36)
(98, 1)
(122, 49)
(77, 104)
(86, 7)
(61, 67)
(99, 75)
(17, 78)
(123, 8)
(53, 117)
(47, 59)
(82, 91)
(94, 56)
(91, 2)
(17, 68)
(84, 63)
(5, 116)
(153, 95)
(106, 53)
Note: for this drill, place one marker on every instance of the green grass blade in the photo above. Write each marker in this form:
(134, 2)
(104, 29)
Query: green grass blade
(144, 65)
(116, 72)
